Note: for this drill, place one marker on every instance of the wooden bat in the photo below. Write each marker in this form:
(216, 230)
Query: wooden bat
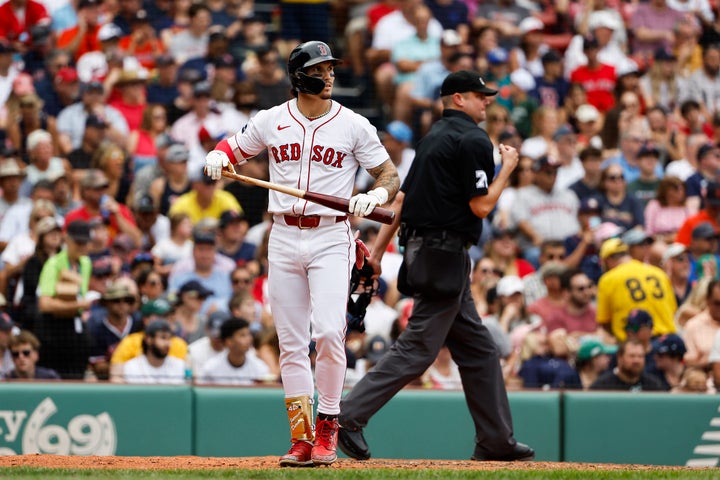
(382, 215)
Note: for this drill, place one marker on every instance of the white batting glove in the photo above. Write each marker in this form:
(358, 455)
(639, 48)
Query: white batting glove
(362, 204)
(215, 162)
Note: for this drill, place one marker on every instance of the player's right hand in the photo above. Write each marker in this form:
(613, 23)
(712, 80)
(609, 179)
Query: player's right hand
(215, 162)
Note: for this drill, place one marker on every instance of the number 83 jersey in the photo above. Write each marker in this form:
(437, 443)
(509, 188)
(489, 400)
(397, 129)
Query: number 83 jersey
(632, 285)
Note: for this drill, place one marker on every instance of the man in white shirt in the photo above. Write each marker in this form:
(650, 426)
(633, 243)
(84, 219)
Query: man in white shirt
(238, 366)
(203, 349)
(154, 366)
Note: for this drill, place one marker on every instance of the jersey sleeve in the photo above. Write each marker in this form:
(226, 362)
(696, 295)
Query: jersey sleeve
(369, 151)
(475, 154)
(250, 141)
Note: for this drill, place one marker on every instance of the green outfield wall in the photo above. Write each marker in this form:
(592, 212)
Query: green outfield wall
(101, 419)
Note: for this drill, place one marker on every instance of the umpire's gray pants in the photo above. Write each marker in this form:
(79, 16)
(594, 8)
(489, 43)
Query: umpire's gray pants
(455, 323)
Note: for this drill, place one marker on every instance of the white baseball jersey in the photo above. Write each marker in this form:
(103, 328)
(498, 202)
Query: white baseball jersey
(320, 155)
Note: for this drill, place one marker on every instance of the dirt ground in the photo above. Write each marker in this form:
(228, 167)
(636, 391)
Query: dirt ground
(205, 463)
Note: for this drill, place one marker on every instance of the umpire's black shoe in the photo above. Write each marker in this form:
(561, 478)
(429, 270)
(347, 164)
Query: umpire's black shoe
(519, 453)
(352, 443)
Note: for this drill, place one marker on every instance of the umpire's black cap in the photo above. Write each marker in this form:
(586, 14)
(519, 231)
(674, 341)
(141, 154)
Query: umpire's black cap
(465, 81)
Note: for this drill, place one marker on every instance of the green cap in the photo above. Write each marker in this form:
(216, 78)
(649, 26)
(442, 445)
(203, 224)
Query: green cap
(159, 306)
(592, 348)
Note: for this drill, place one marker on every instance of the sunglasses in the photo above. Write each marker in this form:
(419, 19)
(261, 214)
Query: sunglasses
(615, 177)
(498, 119)
(582, 288)
(235, 281)
(556, 257)
(128, 300)
(154, 283)
(17, 353)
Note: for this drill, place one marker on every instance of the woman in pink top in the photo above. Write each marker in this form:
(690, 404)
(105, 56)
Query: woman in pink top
(666, 213)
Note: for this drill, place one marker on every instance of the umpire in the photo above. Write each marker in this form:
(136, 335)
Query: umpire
(447, 192)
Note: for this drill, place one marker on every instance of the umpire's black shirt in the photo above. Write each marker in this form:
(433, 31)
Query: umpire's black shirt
(453, 163)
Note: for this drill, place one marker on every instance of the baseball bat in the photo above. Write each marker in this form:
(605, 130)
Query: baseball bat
(382, 215)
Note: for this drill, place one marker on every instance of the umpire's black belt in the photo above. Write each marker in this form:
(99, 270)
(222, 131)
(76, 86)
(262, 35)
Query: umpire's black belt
(441, 239)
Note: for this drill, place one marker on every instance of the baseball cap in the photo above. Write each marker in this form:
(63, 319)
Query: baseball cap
(589, 205)
(590, 42)
(141, 16)
(552, 269)
(562, 131)
(6, 323)
(5, 46)
(40, 32)
(225, 60)
(117, 290)
(10, 168)
(196, 288)
(202, 236)
(109, 31)
(164, 140)
(145, 204)
(229, 216)
(159, 306)
(66, 75)
(93, 179)
(648, 149)
(46, 225)
(177, 153)
(202, 88)
(636, 236)
(545, 161)
(603, 18)
(705, 149)
(157, 326)
(132, 76)
(79, 231)
(627, 67)
(216, 32)
(704, 231)
(465, 81)
(612, 246)
(664, 54)
(531, 24)
(88, 3)
(124, 242)
(672, 251)
(638, 318)
(497, 56)
(92, 86)
(712, 194)
(522, 79)
(97, 121)
(102, 267)
(399, 131)
(591, 348)
(550, 56)
(141, 257)
(215, 321)
(190, 75)
(377, 347)
(670, 344)
(450, 38)
(509, 285)
(164, 59)
(587, 113)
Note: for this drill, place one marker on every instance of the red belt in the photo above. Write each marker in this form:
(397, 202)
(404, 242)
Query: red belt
(308, 221)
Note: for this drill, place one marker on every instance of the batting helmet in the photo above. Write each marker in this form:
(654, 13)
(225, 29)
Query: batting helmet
(306, 55)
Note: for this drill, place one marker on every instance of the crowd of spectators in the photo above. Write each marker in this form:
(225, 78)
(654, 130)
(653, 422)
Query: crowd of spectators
(121, 261)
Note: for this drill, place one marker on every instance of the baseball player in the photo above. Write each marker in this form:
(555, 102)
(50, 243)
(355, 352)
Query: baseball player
(314, 143)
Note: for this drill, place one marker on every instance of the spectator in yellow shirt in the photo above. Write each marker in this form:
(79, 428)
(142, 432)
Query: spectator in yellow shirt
(204, 200)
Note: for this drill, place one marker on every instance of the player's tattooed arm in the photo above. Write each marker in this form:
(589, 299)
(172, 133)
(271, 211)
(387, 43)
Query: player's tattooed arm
(386, 176)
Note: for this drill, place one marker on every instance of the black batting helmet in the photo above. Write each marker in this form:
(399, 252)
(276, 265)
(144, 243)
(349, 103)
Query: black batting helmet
(306, 55)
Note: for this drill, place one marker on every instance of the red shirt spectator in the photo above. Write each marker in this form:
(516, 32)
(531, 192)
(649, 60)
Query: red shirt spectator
(11, 27)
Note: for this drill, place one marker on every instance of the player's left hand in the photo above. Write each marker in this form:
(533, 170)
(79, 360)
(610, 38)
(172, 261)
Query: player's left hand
(362, 204)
